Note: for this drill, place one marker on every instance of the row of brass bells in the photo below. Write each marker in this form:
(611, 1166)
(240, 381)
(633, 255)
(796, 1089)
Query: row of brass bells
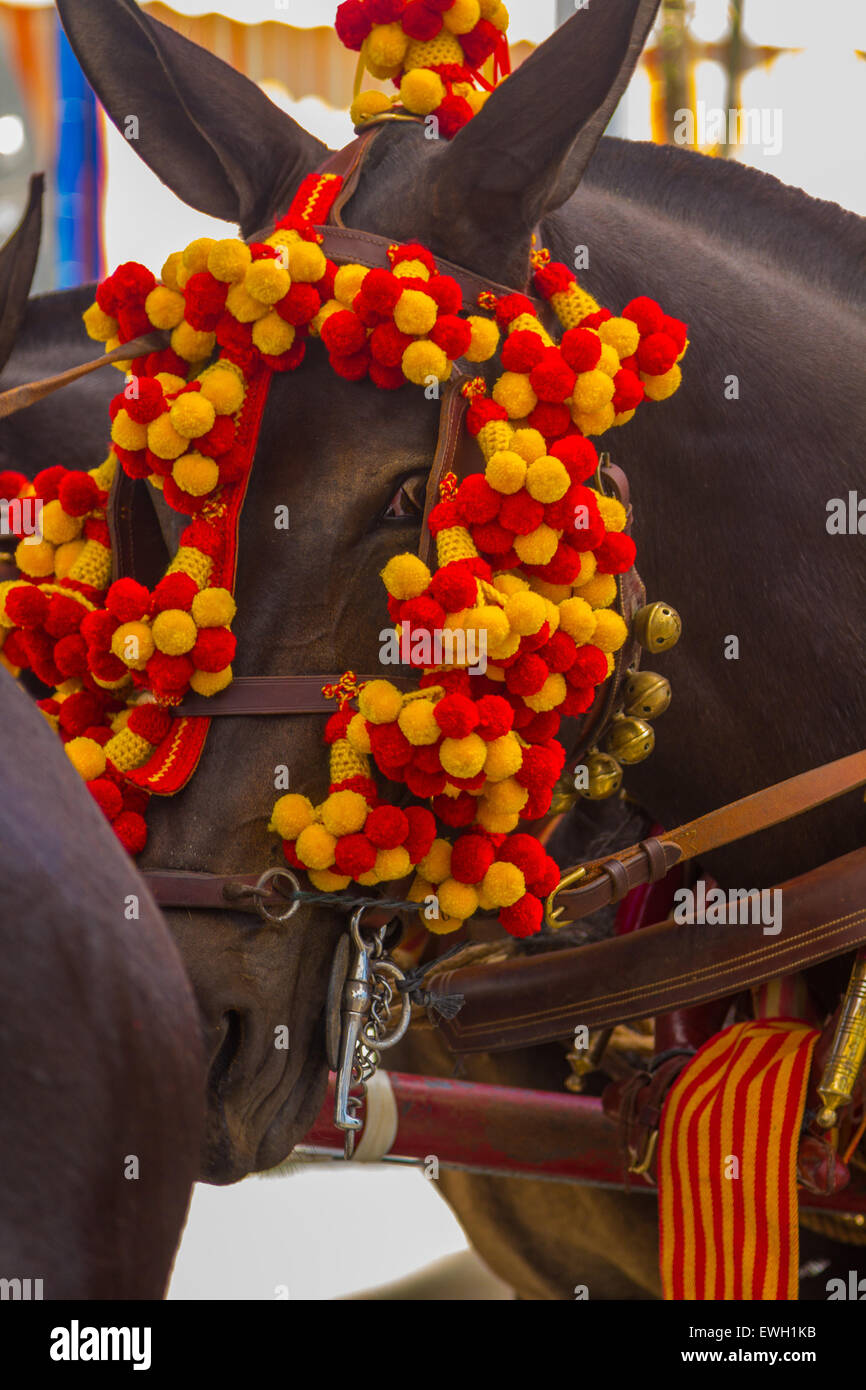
(630, 739)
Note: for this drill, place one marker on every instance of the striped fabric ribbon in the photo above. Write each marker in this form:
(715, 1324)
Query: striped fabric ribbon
(727, 1169)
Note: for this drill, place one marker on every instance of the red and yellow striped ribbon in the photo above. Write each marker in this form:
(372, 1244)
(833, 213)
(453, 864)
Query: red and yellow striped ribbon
(727, 1170)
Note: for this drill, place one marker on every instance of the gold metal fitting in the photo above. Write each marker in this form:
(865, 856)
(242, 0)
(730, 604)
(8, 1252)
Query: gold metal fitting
(630, 740)
(848, 1052)
(604, 776)
(657, 627)
(552, 914)
(647, 695)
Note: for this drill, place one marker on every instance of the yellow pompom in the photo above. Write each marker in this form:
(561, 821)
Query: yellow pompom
(195, 256)
(539, 547)
(98, 325)
(380, 702)
(526, 612)
(623, 417)
(391, 864)
(291, 814)
(344, 813)
(357, 734)
(367, 105)
(551, 694)
(191, 345)
(229, 260)
(504, 757)
(610, 631)
(415, 312)
(555, 592)
(213, 608)
(484, 340)
(127, 432)
(463, 757)
(461, 16)
(121, 364)
(306, 262)
(588, 566)
(327, 881)
(65, 557)
(506, 797)
(547, 479)
(501, 651)
(195, 474)
(608, 362)
(510, 583)
(596, 422)
(170, 383)
(457, 899)
(86, 756)
(411, 270)
(418, 724)
(36, 559)
(441, 926)
(436, 864)
(164, 440)
(174, 631)
(529, 444)
(423, 360)
(658, 388)
(505, 471)
(592, 390)
(241, 305)
(600, 591)
(348, 281)
(386, 45)
(577, 619)
(272, 335)
(210, 682)
(489, 618)
(164, 307)
(267, 280)
(612, 512)
(57, 526)
(514, 393)
(168, 274)
(223, 387)
(421, 91)
(622, 335)
(192, 415)
(503, 884)
(476, 100)
(405, 576)
(315, 847)
(133, 643)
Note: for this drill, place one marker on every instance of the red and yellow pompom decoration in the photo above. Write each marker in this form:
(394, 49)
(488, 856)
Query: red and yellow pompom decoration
(433, 52)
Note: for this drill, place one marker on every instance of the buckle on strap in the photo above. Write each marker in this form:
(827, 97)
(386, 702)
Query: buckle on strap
(552, 913)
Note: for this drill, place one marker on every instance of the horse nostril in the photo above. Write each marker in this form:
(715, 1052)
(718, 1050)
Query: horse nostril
(230, 1044)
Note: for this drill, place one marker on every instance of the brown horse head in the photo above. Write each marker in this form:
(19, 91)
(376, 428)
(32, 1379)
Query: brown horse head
(334, 454)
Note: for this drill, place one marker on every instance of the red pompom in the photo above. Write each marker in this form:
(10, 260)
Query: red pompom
(522, 351)
(454, 587)
(578, 699)
(386, 378)
(354, 855)
(391, 748)
(300, 304)
(578, 455)
(477, 500)
(173, 591)
(581, 349)
(352, 367)
(131, 830)
(452, 334)
(28, 607)
(165, 361)
(421, 22)
(412, 251)
(199, 535)
(629, 391)
(453, 113)
(97, 628)
(136, 462)
(589, 666)
(214, 649)
(133, 323)
(524, 917)
(495, 717)
(105, 666)
(150, 722)
(387, 344)
(523, 851)
(491, 538)
(219, 438)
(169, 675)
(558, 651)
(64, 616)
(127, 600)
(564, 568)
(445, 290)
(527, 675)
(455, 810)
(553, 278)
(540, 768)
(552, 379)
(676, 329)
(337, 724)
(386, 826)
(520, 513)
(511, 306)
(343, 333)
(15, 650)
(471, 857)
(646, 313)
(424, 784)
(456, 716)
(181, 501)
(353, 24)
(78, 494)
(291, 856)
(479, 43)
(47, 481)
(70, 656)
(656, 354)
(616, 554)
(423, 612)
(543, 883)
(205, 301)
(78, 712)
(106, 795)
(550, 420)
(12, 485)
(595, 320)
(481, 412)
(421, 833)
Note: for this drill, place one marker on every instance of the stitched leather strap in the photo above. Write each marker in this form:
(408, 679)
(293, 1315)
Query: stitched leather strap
(273, 695)
(668, 966)
(775, 804)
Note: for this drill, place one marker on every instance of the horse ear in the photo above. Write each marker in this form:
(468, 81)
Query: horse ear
(526, 151)
(17, 263)
(206, 130)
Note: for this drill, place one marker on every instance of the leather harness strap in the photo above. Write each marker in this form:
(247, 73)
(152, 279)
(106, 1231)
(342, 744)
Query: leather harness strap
(273, 695)
(529, 1000)
(608, 880)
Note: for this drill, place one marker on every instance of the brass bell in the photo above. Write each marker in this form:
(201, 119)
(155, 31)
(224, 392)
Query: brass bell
(604, 776)
(657, 627)
(647, 695)
(564, 794)
(630, 740)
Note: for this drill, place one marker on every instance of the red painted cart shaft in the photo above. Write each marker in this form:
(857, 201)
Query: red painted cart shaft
(508, 1131)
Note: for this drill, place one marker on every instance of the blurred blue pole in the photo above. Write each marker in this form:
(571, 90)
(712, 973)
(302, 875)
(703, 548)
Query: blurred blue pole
(78, 174)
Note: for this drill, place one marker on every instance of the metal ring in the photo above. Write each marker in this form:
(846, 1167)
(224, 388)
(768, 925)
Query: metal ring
(387, 967)
(270, 878)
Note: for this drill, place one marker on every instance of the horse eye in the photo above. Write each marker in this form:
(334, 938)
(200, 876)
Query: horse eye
(408, 500)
